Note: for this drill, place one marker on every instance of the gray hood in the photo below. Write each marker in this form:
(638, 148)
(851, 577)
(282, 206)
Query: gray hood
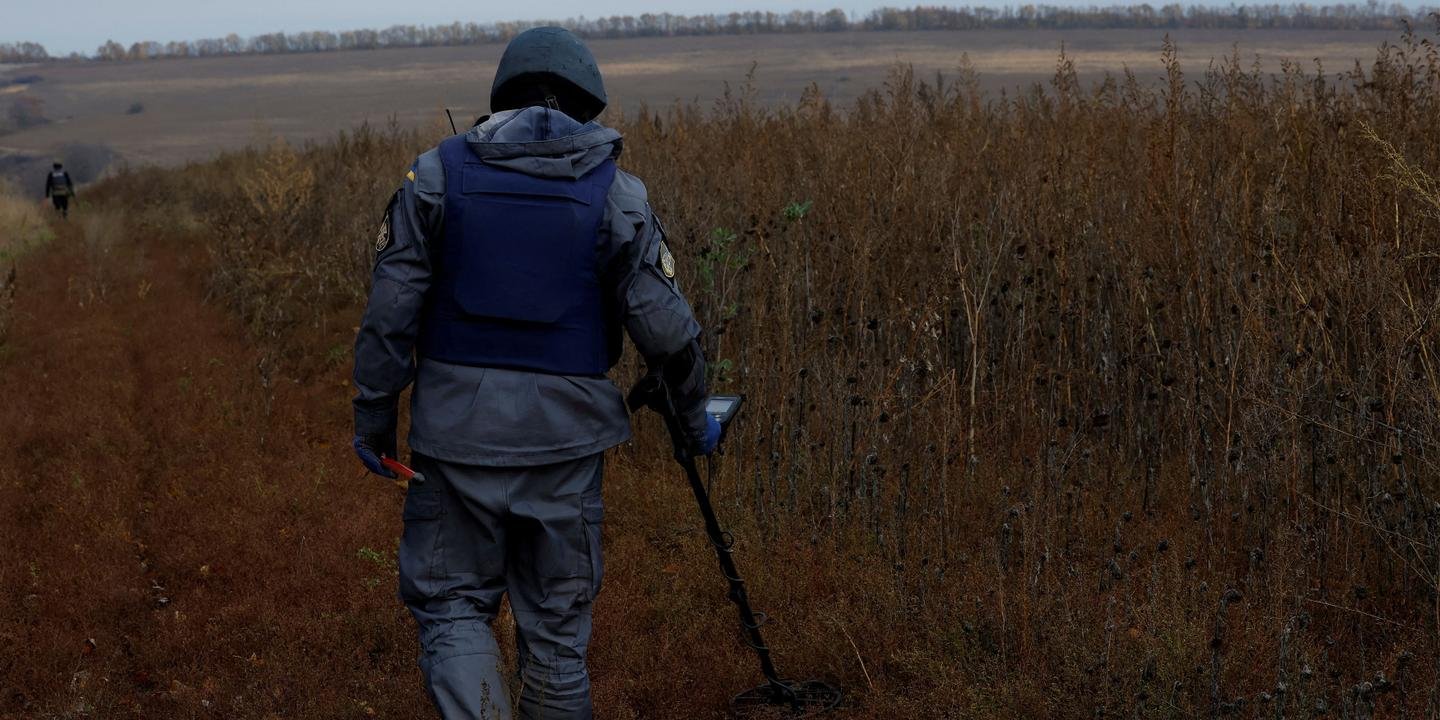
(542, 142)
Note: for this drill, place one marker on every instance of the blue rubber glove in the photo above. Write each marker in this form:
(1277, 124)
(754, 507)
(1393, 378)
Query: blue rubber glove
(712, 435)
(370, 448)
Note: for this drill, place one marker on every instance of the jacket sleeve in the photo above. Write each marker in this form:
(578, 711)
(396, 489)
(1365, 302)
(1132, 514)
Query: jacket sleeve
(655, 313)
(49, 180)
(385, 344)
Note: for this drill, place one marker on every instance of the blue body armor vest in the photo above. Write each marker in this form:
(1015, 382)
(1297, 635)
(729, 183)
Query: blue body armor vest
(517, 277)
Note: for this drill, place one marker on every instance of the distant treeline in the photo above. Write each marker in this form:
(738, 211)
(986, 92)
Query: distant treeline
(1370, 16)
(22, 52)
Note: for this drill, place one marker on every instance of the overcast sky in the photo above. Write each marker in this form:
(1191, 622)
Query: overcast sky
(63, 27)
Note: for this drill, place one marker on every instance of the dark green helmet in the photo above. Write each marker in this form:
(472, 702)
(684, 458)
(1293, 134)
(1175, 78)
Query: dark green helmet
(549, 64)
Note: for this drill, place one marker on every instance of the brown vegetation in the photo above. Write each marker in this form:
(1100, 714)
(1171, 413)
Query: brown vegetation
(22, 227)
(1096, 402)
(22, 222)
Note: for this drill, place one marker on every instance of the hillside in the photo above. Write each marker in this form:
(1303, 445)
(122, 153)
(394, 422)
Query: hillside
(172, 111)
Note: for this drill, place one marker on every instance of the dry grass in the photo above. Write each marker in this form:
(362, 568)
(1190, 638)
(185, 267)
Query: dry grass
(22, 227)
(22, 222)
(1083, 402)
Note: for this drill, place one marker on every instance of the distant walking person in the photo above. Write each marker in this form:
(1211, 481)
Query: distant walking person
(59, 189)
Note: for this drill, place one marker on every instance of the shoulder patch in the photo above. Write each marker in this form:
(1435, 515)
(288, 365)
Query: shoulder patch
(382, 236)
(410, 176)
(667, 261)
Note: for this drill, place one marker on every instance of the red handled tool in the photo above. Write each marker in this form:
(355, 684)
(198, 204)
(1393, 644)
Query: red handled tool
(401, 469)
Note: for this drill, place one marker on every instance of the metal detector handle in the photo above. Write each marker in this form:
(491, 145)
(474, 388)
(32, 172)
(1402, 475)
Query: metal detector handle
(652, 392)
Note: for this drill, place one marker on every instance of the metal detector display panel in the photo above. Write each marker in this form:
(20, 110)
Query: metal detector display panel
(723, 407)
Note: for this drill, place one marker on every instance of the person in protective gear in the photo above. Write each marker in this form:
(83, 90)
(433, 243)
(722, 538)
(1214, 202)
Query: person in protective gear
(509, 264)
(59, 189)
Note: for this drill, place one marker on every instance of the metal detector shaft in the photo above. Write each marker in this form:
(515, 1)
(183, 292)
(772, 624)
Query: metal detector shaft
(802, 698)
(657, 395)
(724, 543)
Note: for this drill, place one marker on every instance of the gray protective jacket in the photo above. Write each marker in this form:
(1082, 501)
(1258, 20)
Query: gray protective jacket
(498, 417)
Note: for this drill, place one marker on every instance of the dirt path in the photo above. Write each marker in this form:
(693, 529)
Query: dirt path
(186, 533)
(180, 538)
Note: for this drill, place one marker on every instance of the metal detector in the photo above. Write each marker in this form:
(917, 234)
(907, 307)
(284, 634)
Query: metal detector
(800, 698)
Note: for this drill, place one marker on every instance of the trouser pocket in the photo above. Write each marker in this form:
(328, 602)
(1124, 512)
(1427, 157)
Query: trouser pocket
(592, 516)
(421, 561)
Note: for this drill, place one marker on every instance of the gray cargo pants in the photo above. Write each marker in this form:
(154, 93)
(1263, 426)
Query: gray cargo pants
(472, 534)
